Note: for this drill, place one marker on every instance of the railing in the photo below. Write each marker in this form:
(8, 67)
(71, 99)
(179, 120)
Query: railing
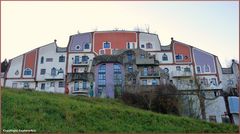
(150, 74)
(80, 91)
(145, 61)
(54, 77)
(80, 76)
(84, 63)
(181, 74)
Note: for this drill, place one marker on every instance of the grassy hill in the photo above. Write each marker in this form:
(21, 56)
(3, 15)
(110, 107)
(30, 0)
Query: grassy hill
(46, 112)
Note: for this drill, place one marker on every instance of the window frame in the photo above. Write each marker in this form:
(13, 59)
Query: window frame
(42, 70)
(25, 73)
(61, 58)
(106, 43)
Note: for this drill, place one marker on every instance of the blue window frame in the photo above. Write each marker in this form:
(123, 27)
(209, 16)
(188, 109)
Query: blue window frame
(130, 56)
(77, 61)
(28, 71)
(116, 68)
(179, 57)
(85, 59)
(198, 69)
(102, 68)
(102, 75)
(84, 84)
(76, 86)
(106, 45)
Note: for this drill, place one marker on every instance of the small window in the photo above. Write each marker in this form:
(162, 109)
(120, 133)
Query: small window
(187, 69)
(178, 68)
(43, 86)
(106, 45)
(214, 81)
(43, 71)
(142, 46)
(166, 70)
(149, 45)
(60, 71)
(144, 82)
(27, 71)
(77, 47)
(49, 60)
(52, 84)
(207, 68)
(154, 82)
(142, 56)
(61, 84)
(212, 118)
(87, 46)
(85, 59)
(62, 58)
(130, 68)
(179, 57)
(53, 71)
(198, 69)
(165, 57)
(17, 72)
(42, 60)
(225, 119)
(101, 52)
(130, 56)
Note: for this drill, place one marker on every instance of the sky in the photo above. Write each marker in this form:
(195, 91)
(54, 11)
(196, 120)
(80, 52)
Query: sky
(211, 26)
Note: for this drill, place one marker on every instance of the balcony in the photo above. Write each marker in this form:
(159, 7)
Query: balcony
(145, 61)
(80, 76)
(59, 76)
(178, 74)
(149, 74)
(80, 63)
(80, 91)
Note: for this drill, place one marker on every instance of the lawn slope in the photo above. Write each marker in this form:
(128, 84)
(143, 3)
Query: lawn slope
(46, 112)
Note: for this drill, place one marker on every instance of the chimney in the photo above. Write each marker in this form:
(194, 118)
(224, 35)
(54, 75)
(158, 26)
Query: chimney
(55, 40)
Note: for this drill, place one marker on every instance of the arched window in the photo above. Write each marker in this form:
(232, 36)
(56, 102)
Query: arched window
(165, 57)
(149, 45)
(87, 46)
(42, 60)
(198, 69)
(206, 68)
(60, 71)
(53, 71)
(27, 71)
(62, 58)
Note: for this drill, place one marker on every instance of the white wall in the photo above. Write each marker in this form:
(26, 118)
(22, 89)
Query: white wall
(20, 83)
(16, 65)
(49, 51)
(159, 55)
(144, 38)
(216, 108)
(48, 88)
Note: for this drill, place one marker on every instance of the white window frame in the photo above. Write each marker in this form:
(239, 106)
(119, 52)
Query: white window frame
(197, 70)
(109, 44)
(100, 50)
(208, 68)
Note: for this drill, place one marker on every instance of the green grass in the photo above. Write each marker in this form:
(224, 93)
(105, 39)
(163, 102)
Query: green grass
(46, 112)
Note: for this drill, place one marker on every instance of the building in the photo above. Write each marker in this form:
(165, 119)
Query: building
(107, 63)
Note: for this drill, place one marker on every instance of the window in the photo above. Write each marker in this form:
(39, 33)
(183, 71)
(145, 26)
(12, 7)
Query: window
(178, 68)
(130, 68)
(154, 82)
(205, 81)
(166, 70)
(198, 69)
(102, 75)
(214, 81)
(52, 84)
(14, 85)
(61, 84)
(101, 52)
(76, 86)
(179, 57)
(165, 57)
(62, 58)
(17, 72)
(49, 59)
(145, 71)
(43, 86)
(101, 90)
(53, 71)
(207, 68)
(42, 60)
(187, 69)
(27, 71)
(85, 59)
(77, 47)
(130, 45)
(87, 46)
(25, 85)
(106, 45)
(144, 82)
(60, 71)
(117, 74)
(142, 46)
(76, 61)
(149, 45)
(225, 119)
(84, 84)
(116, 68)
(43, 71)
(212, 118)
(142, 56)
(130, 56)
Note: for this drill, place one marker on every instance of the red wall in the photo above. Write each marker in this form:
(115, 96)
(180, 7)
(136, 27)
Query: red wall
(183, 49)
(118, 40)
(30, 60)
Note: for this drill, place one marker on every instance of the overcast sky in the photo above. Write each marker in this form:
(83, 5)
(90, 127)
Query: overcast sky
(211, 26)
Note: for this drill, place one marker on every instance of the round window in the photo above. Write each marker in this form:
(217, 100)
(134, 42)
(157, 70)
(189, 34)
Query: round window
(77, 47)
(166, 70)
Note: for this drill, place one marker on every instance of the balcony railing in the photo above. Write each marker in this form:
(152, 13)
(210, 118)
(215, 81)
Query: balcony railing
(150, 74)
(80, 91)
(145, 61)
(59, 76)
(80, 63)
(181, 74)
(80, 76)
